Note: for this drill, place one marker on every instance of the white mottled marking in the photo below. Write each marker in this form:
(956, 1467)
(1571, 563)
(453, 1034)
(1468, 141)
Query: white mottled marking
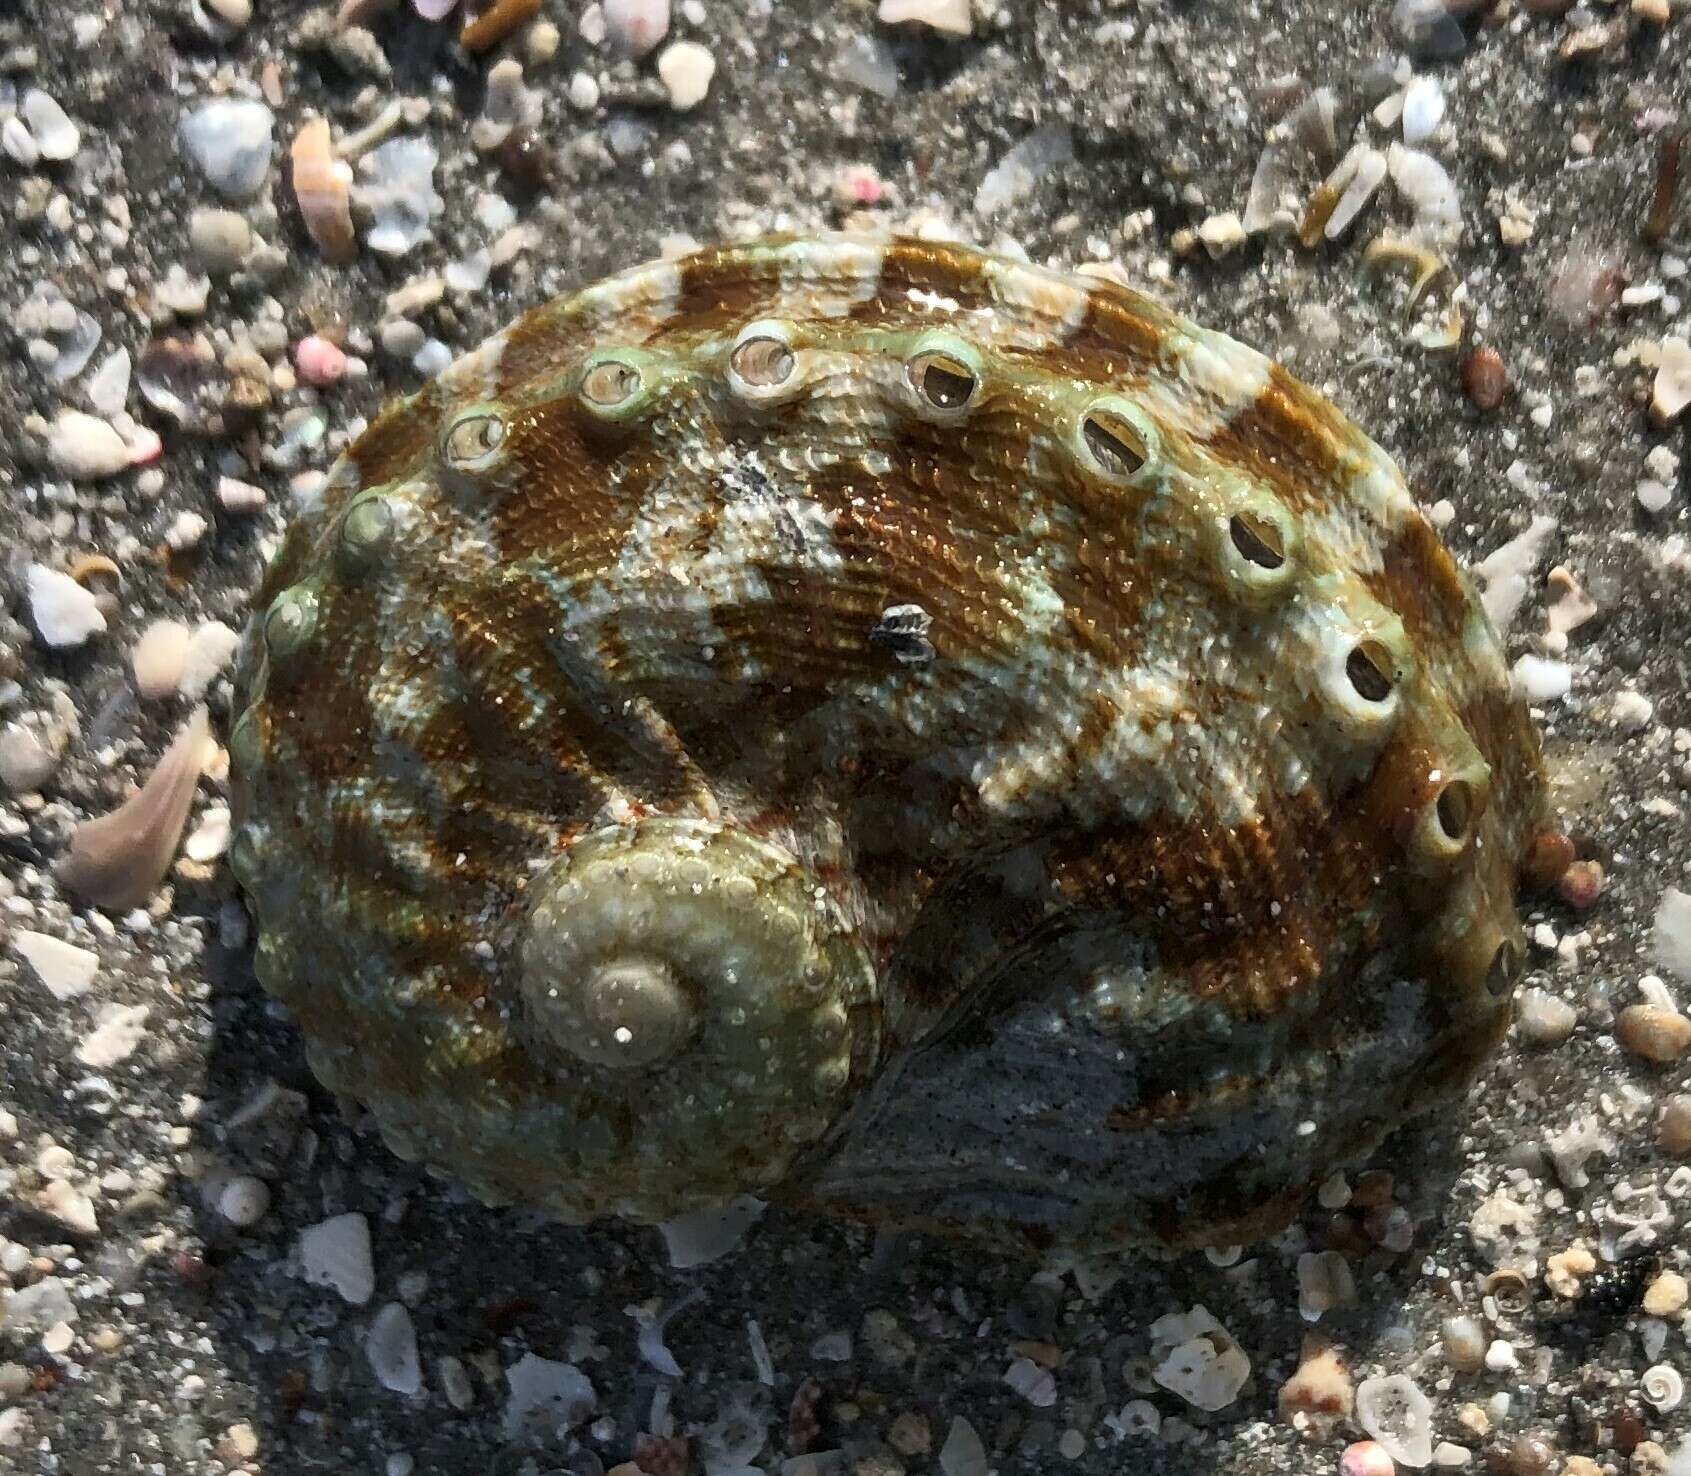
(932, 302)
(1378, 488)
(476, 372)
(643, 297)
(1211, 380)
(1344, 536)
(828, 278)
(1043, 308)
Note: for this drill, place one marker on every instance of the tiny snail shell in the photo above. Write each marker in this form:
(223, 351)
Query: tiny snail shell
(1662, 1387)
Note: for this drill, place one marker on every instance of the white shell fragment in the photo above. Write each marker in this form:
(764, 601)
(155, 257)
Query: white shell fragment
(1395, 1412)
(336, 1252)
(1539, 679)
(1198, 1359)
(1013, 177)
(1324, 1282)
(107, 387)
(1269, 185)
(1423, 110)
(391, 1347)
(85, 448)
(1359, 175)
(546, 1397)
(115, 1036)
(702, 1236)
(1504, 572)
(1035, 1384)
(212, 648)
(1427, 187)
(1671, 392)
(56, 137)
(1662, 1387)
(398, 190)
(1670, 934)
(40, 1305)
(64, 612)
(63, 969)
(229, 140)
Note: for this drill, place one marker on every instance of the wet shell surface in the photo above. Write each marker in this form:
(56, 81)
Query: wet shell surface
(889, 729)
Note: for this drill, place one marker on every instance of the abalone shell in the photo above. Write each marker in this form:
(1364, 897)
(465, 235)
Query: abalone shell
(886, 728)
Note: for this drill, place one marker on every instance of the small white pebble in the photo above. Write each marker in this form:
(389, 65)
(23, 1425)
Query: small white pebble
(56, 137)
(210, 838)
(686, 69)
(583, 92)
(634, 27)
(86, 448)
(185, 531)
(244, 1200)
(73, 1210)
(212, 648)
(1541, 680)
(1500, 1356)
(1542, 1018)
(1423, 110)
(55, 1161)
(230, 141)
(159, 658)
(1631, 711)
(236, 496)
(431, 358)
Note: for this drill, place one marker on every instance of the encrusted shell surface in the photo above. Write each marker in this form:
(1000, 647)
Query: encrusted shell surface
(886, 728)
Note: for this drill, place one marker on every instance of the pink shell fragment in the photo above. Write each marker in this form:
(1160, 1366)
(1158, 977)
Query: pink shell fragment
(117, 860)
(319, 361)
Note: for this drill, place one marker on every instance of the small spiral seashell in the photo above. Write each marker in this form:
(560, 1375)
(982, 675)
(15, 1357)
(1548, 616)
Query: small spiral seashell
(891, 730)
(1662, 1387)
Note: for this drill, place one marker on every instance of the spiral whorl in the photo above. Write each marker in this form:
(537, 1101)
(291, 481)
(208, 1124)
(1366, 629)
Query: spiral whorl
(700, 987)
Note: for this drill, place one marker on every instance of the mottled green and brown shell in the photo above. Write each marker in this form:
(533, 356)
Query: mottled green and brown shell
(887, 728)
